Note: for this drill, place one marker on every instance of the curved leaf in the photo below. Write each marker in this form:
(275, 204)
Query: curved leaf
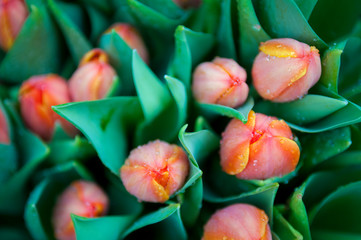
(107, 130)
(38, 35)
(283, 228)
(251, 32)
(306, 6)
(99, 22)
(165, 7)
(226, 47)
(283, 19)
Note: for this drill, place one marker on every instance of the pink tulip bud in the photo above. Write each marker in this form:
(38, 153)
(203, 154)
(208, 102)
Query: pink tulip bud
(4, 129)
(285, 69)
(36, 96)
(260, 149)
(13, 14)
(132, 37)
(222, 81)
(81, 198)
(155, 171)
(94, 79)
(238, 222)
(185, 4)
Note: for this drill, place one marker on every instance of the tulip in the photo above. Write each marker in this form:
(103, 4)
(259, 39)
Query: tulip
(185, 4)
(155, 171)
(132, 38)
(94, 79)
(238, 222)
(82, 198)
(285, 69)
(222, 81)
(13, 14)
(4, 129)
(37, 95)
(260, 149)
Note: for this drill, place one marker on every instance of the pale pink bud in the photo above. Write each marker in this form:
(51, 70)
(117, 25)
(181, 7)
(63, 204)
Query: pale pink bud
(132, 37)
(13, 14)
(153, 172)
(185, 4)
(81, 198)
(4, 129)
(285, 69)
(238, 222)
(260, 149)
(37, 95)
(94, 79)
(221, 81)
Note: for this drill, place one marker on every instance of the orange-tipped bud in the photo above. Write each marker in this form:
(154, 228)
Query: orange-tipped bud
(13, 14)
(94, 79)
(260, 149)
(185, 4)
(238, 222)
(153, 172)
(222, 81)
(37, 95)
(4, 129)
(285, 69)
(132, 37)
(81, 198)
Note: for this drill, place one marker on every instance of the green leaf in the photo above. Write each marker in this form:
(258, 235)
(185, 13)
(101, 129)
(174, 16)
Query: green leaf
(120, 56)
(241, 113)
(347, 115)
(38, 209)
(251, 32)
(283, 228)
(169, 216)
(62, 151)
(262, 197)
(165, 7)
(104, 5)
(331, 61)
(39, 39)
(339, 212)
(13, 234)
(345, 159)
(303, 111)
(306, 6)
(110, 227)
(99, 22)
(283, 19)
(198, 146)
(319, 147)
(32, 153)
(188, 52)
(325, 18)
(76, 41)
(105, 123)
(226, 47)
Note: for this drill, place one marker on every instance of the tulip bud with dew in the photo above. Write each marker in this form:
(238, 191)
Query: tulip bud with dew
(260, 149)
(37, 95)
(238, 222)
(94, 79)
(81, 198)
(221, 81)
(154, 171)
(132, 38)
(13, 14)
(285, 69)
(4, 128)
(185, 4)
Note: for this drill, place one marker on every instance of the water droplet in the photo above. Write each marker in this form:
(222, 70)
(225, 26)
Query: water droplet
(268, 58)
(257, 27)
(268, 91)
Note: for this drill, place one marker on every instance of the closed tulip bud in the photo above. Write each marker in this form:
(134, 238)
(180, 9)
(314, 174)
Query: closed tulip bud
(238, 222)
(37, 95)
(185, 4)
(94, 79)
(260, 149)
(81, 198)
(222, 82)
(285, 69)
(13, 14)
(131, 37)
(153, 172)
(4, 129)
